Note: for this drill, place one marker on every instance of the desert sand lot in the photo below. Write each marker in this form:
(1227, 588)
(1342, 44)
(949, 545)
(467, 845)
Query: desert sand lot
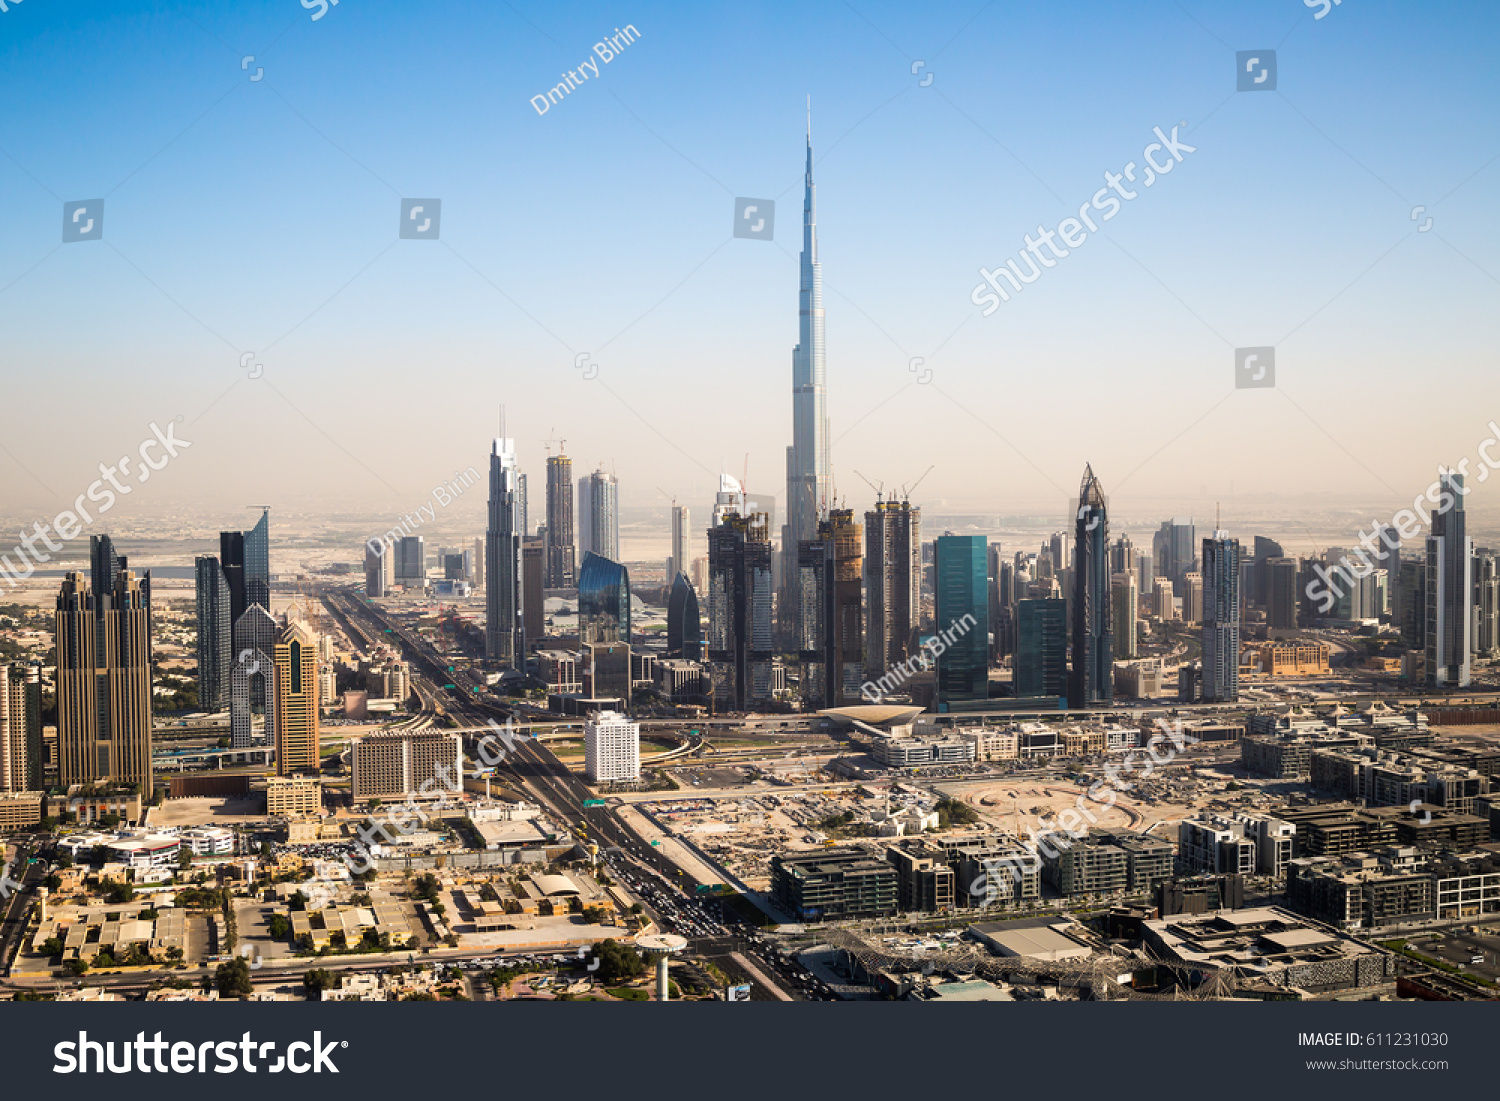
(1026, 803)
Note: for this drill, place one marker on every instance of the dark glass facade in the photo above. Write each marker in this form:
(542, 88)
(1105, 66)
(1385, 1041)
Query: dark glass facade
(684, 625)
(603, 601)
(962, 592)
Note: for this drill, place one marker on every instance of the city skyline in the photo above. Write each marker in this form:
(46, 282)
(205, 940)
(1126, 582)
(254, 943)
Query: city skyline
(899, 282)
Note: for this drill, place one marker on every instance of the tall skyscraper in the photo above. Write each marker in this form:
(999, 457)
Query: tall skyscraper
(215, 634)
(561, 552)
(808, 463)
(682, 542)
(378, 573)
(1450, 588)
(1125, 614)
(1093, 637)
(252, 690)
(893, 584)
(411, 561)
(603, 600)
(684, 626)
(232, 562)
(599, 515)
(831, 616)
(21, 751)
(1259, 592)
(504, 631)
(1486, 603)
(1221, 619)
(1191, 588)
(739, 611)
(297, 702)
(533, 595)
(1174, 549)
(478, 560)
(258, 561)
(962, 591)
(1041, 662)
(1279, 576)
(103, 636)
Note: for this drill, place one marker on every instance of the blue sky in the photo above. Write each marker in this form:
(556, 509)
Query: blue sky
(260, 216)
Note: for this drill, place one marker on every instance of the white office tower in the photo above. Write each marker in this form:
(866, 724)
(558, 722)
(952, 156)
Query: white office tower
(611, 747)
(599, 515)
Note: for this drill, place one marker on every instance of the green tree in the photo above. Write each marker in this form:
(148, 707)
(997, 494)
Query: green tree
(76, 967)
(52, 946)
(233, 978)
(279, 926)
(617, 962)
(318, 980)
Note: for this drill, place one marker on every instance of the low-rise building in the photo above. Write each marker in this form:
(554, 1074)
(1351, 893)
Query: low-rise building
(835, 883)
(290, 796)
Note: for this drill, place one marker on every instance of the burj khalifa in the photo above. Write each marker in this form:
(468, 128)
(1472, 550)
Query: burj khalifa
(807, 459)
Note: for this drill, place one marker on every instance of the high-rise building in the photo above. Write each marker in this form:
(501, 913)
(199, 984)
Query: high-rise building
(830, 621)
(893, 584)
(603, 600)
(599, 515)
(258, 561)
(1002, 582)
(1221, 619)
(561, 553)
(1450, 588)
(1174, 549)
(1145, 572)
(215, 633)
(1279, 578)
(411, 561)
(1259, 592)
(1092, 681)
(1411, 603)
(1041, 662)
(962, 593)
(232, 562)
(504, 598)
(739, 611)
(1125, 614)
(103, 637)
(533, 591)
(807, 463)
(378, 573)
(1191, 589)
(682, 542)
(611, 747)
(22, 756)
(252, 688)
(684, 627)
(1486, 603)
(297, 701)
(1162, 604)
(478, 560)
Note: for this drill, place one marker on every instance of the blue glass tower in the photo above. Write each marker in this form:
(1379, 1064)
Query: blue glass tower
(962, 619)
(603, 600)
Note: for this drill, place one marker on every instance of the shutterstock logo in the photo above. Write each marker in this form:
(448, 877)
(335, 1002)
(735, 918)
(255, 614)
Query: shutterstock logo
(147, 1056)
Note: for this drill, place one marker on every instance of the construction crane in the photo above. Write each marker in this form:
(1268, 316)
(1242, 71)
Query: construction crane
(562, 444)
(879, 489)
(906, 493)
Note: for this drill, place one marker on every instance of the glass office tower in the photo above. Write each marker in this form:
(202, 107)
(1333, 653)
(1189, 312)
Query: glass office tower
(962, 591)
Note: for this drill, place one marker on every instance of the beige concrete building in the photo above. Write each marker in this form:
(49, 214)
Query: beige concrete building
(291, 796)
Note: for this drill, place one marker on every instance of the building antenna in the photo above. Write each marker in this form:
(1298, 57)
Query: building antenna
(502, 420)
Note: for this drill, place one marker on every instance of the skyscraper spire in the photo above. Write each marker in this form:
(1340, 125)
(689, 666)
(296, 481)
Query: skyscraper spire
(808, 463)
